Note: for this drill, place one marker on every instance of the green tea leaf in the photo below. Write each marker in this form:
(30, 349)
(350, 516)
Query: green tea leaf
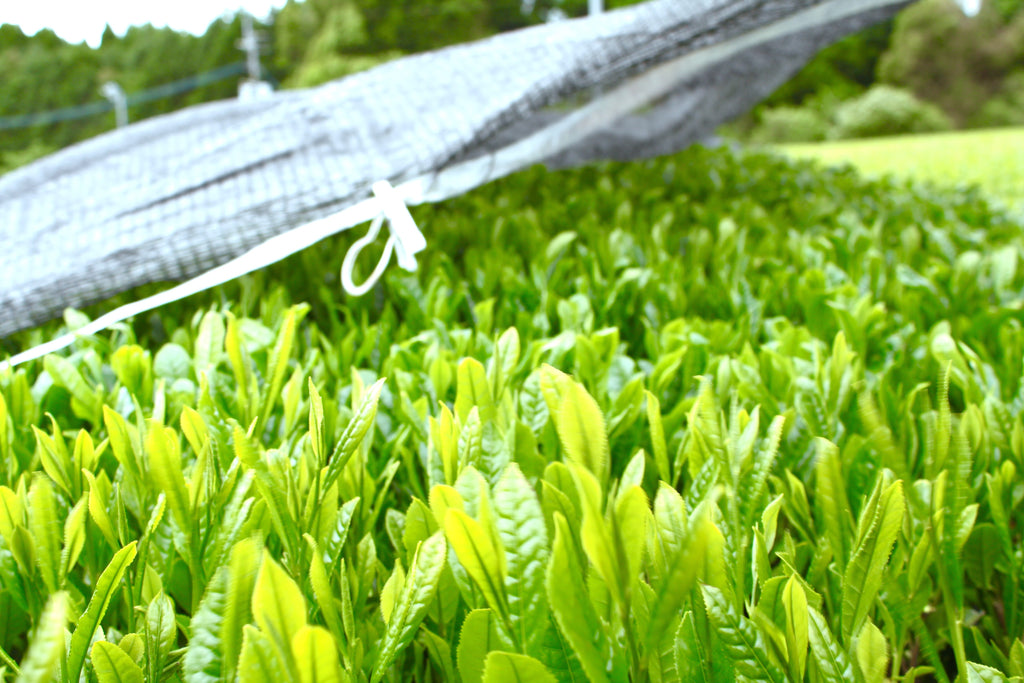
(475, 641)
(243, 566)
(831, 502)
(979, 673)
(45, 528)
(355, 431)
(670, 528)
(54, 456)
(478, 554)
(12, 512)
(571, 606)
(277, 360)
(261, 660)
(161, 632)
(46, 652)
(113, 665)
(172, 362)
(316, 656)
(1017, 658)
(658, 436)
(417, 595)
(863, 578)
(391, 590)
(507, 353)
(524, 540)
(209, 346)
(507, 667)
(317, 438)
(322, 590)
(872, 653)
(123, 442)
(194, 428)
(107, 584)
(684, 557)
(66, 375)
(794, 601)
(690, 659)
(270, 489)
(165, 464)
(582, 432)
(439, 652)
(828, 655)
(420, 524)
(277, 604)
(441, 499)
(204, 655)
(5, 428)
(630, 528)
(243, 374)
(473, 391)
(755, 484)
(742, 640)
(600, 542)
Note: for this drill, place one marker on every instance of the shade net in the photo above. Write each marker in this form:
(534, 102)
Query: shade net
(172, 197)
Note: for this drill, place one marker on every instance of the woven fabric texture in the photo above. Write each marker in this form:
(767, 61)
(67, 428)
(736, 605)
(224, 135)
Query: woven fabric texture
(168, 198)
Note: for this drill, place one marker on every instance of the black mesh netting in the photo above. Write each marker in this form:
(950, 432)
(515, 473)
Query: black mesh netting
(173, 196)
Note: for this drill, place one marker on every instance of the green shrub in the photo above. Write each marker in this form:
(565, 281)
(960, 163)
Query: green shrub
(884, 110)
(953, 61)
(1006, 108)
(13, 159)
(790, 124)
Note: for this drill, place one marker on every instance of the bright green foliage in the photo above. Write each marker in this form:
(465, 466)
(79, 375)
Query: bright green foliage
(114, 665)
(42, 663)
(507, 667)
(703, 419)
(987, 159)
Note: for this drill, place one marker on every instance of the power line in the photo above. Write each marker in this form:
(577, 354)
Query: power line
(93, 108)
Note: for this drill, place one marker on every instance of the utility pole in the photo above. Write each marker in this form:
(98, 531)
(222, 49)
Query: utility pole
(113, 92)
(250, 43)
(253, 88)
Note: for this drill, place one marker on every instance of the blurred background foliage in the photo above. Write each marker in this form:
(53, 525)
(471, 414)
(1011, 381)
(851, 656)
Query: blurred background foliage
(932, 68)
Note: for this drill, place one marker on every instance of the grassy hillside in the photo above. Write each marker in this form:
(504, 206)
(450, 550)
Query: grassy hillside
(991, 159)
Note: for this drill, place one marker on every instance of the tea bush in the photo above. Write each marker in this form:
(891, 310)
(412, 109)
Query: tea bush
(711, 417)
(885, 110)
(790, 124)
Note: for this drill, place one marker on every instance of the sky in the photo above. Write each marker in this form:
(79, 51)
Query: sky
(78, 20)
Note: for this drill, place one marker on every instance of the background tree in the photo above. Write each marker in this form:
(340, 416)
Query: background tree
(957, 62)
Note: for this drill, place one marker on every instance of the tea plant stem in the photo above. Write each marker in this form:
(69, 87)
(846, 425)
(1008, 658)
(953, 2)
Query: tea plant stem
(195, 562)
(9, 662)
(897, 655)
(315, 521)
(954, 616)
(129, 594)
(638, 662)
(1011, 615)
(956, 634)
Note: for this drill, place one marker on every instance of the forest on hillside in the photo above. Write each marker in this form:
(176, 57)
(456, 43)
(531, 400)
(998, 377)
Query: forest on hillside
(929, 69)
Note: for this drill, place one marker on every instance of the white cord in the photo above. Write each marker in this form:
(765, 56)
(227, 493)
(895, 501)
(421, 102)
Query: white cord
(350, 259)
(405, 240)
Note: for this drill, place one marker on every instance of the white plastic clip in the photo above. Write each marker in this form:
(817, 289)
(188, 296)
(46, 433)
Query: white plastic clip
(409, 241)
(405, 240)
